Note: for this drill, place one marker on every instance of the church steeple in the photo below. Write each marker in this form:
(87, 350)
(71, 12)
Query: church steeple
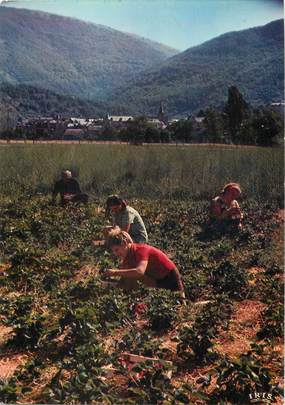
(161, 115)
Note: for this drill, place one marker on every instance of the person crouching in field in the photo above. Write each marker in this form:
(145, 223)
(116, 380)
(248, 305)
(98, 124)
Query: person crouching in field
(126, 218)
(69, 190)
(225, 210)
(144, 263)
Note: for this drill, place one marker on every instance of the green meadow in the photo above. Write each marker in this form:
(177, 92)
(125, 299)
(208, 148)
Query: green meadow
(195, 171)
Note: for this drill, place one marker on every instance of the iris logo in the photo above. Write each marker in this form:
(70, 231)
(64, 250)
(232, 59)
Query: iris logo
(260, 398)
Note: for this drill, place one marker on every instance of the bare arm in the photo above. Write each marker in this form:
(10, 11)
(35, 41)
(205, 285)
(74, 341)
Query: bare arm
(135, 273)
(234, 210)
(217, 212)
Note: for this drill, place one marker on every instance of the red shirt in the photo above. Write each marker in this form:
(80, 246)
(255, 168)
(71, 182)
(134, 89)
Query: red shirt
(158, 266)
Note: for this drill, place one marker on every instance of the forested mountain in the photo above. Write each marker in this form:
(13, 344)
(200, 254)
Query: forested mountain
(251, 59)
(94, 62)
(70, 56)
(27, 101)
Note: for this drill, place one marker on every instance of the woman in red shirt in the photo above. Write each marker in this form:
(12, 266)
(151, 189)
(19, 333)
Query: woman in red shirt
(144, 263)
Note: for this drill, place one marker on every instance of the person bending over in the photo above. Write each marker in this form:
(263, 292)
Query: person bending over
(145, 263)
(126, 218)
(69, 190)
(224, 209)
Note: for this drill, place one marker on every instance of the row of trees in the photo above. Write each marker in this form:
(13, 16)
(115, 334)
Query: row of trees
(141, 131)
(240, 124)
(236, 123)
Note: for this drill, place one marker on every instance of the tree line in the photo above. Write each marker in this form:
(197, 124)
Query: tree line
(236, 123)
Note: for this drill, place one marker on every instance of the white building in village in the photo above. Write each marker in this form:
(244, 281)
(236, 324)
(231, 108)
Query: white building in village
(120, 118)
(278, 107)
(156, 123)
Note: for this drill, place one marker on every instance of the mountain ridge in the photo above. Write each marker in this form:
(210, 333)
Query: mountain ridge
(96, 63)
(251, 59)
(29, 102)
(68, 55)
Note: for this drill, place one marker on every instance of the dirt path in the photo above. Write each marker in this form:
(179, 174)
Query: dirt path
(5, 331)
(244, 324)
(38, 385)
(9, 363)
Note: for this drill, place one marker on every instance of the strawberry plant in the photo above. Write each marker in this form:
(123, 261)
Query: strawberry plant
(272, 322)
(149, 382)
(230, 279)
(27, 332)
(163, 310)
(197, 340)
(142, 343)
(9, 391)
(86, 383)
(239, 378)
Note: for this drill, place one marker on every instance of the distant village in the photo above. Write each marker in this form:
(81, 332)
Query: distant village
(76, 128)
(210, 125)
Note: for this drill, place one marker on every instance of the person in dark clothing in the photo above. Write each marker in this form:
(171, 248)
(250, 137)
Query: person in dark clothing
(69, 190)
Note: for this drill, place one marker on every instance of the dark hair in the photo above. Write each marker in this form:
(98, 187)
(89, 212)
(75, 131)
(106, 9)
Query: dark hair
(114, 200)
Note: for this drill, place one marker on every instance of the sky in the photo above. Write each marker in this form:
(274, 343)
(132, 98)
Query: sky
(177, 23)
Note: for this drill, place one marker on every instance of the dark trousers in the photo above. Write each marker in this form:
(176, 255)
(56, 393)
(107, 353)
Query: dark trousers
(76, 199)
(173, 281)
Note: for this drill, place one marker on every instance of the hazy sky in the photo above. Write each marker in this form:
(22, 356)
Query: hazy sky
(178, 23)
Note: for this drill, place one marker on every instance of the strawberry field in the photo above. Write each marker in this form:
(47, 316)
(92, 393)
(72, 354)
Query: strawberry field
(68, 332)
(67, 338)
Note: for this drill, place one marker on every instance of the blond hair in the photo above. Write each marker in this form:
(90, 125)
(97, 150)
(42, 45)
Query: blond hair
(118, 237)
(230, 186)
(67, 173)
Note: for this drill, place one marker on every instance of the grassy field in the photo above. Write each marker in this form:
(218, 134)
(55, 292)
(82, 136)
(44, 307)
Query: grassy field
(148, 171)
(60, 327)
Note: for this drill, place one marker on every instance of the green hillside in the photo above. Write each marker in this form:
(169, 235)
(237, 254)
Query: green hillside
(251, 59)
(70, 56)
(28, 101)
